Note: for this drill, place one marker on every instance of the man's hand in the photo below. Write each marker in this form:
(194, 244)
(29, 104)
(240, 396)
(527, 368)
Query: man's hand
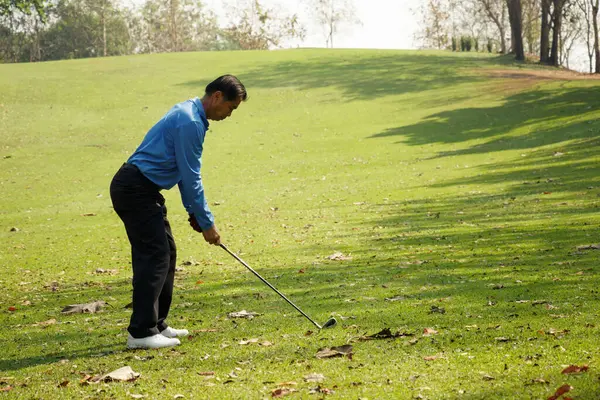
(212, 236)
(194, 223)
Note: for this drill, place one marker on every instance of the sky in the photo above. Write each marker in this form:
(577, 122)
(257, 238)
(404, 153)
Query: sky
(385, 24)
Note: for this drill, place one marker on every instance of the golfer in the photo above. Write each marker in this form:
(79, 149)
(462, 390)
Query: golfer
(169, 154)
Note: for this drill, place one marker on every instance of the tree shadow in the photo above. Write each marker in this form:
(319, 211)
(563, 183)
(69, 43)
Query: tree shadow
(366, 75)
(549, 116)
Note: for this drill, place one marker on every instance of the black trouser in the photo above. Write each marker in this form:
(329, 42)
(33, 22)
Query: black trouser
(141, 207)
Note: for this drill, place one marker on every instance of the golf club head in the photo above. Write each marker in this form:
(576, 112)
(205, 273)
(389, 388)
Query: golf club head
(331, 322)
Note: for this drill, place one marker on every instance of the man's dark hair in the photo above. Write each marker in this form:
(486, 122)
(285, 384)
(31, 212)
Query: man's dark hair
(230, 86)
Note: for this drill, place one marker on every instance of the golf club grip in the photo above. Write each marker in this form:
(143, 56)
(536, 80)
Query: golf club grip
(268, 284)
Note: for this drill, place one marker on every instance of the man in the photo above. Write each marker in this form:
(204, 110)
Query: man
(169, 154)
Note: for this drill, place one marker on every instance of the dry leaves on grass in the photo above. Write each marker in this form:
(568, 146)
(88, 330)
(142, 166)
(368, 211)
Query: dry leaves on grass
(90, 308)
(560, 391)
(574, 369)
(338, 256)
(589, 247)
(46, 323)
(385, 333)
(243, 314)
(321, 390)
(100, 271)
(280, 392)
(264, 343)
(429, 332)
(336, 351)
(124, 374)
(318, 378)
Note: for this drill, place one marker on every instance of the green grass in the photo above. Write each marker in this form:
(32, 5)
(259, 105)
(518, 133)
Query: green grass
(446, 186)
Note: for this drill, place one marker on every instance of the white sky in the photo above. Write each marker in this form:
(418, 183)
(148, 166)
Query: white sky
(386, 24)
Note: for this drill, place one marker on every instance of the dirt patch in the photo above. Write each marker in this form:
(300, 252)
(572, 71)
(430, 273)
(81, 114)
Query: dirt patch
(540, 74)
(516, 80)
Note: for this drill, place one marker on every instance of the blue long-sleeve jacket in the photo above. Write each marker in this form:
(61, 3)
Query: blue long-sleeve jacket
(171, 154)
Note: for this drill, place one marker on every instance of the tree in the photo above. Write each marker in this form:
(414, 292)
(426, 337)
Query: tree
(557, 19)
(496, 11)
(585, 8)
(435, 17)
(174, 25)
(84, 28)
(257, 28)
(596, 43)
(574, 20)
(531, 24)
(8, 7)
(332, 15)
(516, 28)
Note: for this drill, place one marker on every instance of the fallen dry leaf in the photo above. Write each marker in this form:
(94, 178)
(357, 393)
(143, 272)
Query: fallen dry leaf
(487, 377)
(589, 247)
(207, 373)
(339, 351)
(338, 256)
(430, 358)
(106, 271)
(429, 332)
(6, 388)
(395, 298)
(540, 380)
(314, 378)
(243, 314)
(249, 341)
(560, 391)
(574, 369)
(280, 392)
(122, 374)
(46, 323)
(63, 384)
(320, 389)
(266, 343)
(289, 383)
(88, 215)
(84, 308)
(385, 333)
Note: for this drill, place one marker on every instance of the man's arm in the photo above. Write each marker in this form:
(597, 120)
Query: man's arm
(188, 140)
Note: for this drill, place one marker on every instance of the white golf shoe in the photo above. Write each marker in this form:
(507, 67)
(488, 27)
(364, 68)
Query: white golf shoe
(174, 333)
(151, 342)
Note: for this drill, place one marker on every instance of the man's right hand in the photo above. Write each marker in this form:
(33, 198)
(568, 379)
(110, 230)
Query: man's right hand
(212, 236)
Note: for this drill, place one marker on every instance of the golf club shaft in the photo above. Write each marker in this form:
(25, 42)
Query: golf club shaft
(268, 284)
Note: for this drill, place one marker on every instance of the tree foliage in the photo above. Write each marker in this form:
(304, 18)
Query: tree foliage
(255, 27)
(9, 7)
(333, 15)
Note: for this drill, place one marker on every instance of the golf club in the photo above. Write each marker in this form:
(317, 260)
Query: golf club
(331, 322)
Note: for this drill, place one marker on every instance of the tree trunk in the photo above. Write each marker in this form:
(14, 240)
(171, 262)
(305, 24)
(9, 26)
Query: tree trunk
(516, 28)
(545, 37)
(556, 27)
(103, 18)
(596, 44)
(173, 7)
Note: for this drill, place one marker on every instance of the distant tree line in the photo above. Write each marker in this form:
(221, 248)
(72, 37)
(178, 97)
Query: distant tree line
(63, 29)
(40, 30)
(547, 30)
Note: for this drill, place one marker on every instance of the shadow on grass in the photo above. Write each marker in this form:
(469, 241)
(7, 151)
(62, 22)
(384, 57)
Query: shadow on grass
(366, 75)
(541, 112)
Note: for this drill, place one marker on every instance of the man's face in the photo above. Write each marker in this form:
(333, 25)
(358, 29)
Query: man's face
(221, 108)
